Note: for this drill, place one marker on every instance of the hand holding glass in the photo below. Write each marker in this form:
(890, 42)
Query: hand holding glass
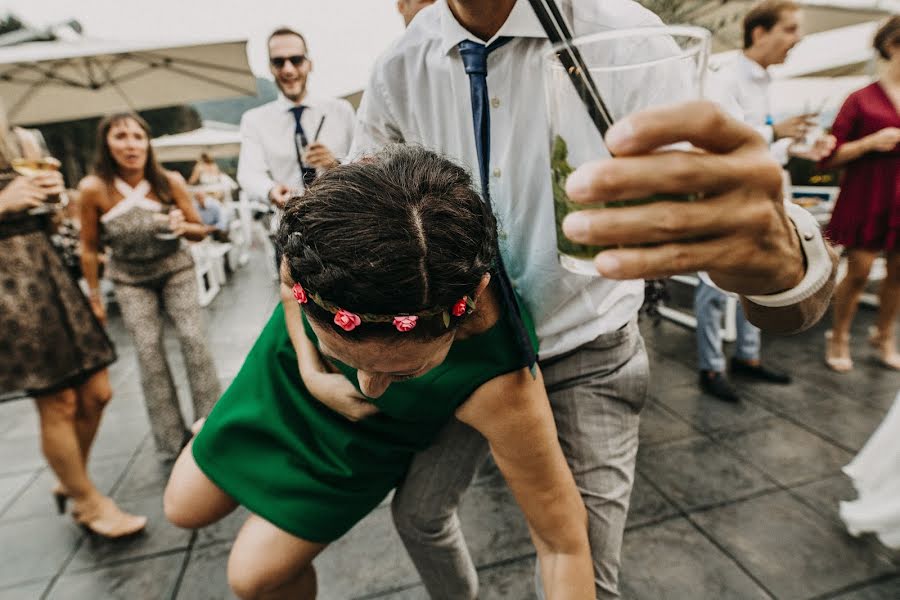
(633, 69)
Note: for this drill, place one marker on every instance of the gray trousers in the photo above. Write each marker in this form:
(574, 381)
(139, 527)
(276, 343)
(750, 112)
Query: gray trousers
(143, 309)
(597, 393)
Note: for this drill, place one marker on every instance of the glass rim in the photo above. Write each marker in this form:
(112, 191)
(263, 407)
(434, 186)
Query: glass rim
(701, 34)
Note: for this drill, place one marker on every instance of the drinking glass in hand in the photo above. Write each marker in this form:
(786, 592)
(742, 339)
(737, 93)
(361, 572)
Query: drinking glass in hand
(31, 167)
(632, 69)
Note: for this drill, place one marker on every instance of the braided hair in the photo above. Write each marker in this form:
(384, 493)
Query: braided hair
(402, 231)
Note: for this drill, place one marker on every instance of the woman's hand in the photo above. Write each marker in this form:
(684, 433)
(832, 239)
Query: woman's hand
(337, 393)
(97, 307)
(884, 140)
(20, 195)
(50, 182)
(177, 222)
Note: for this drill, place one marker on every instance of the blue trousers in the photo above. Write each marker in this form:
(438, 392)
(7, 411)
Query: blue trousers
(709, 304)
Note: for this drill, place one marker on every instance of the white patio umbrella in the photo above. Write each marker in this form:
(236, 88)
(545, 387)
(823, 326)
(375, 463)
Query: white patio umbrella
(822, 15)
(45, 82)
(219, 140)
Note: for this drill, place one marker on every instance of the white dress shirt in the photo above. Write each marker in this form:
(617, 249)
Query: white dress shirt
(419, 93)
(742, 87)
(268, 156)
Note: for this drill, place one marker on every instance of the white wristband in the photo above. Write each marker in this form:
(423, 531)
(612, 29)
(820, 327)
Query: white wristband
(818, 262)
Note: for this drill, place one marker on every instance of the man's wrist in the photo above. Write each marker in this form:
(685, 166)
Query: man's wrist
(818, 262)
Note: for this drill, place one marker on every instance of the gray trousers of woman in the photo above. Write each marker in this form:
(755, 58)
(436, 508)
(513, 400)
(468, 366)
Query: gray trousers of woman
(144, 308)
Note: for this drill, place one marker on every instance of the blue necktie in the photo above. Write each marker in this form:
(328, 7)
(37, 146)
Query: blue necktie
(474, 57)
(308, 173)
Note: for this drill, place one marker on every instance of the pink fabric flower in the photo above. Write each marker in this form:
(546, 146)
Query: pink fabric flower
(459, 308)
(405, 323)
(346, 320)
(299, 293)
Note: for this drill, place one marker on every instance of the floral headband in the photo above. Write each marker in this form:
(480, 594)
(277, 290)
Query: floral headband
(349, 321)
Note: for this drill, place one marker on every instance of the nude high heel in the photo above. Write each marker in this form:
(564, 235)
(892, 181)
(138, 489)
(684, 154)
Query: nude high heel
(839, 364)
(109, 521)
(887, 355)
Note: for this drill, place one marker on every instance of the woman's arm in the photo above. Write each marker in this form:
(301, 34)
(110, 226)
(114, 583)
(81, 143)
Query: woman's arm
(92, 193)
(193, 227)
(331, 389)
(883, 140)
(513, 413)
(195, 174)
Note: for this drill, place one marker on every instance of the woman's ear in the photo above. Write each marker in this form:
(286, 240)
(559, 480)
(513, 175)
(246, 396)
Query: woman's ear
(482, 285)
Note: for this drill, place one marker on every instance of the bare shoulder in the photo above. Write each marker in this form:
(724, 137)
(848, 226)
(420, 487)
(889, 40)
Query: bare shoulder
(174, 177)
(92, 185)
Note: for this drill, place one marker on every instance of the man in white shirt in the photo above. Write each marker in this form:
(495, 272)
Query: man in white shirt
(285, 142)
(592, 356)
(771, 30)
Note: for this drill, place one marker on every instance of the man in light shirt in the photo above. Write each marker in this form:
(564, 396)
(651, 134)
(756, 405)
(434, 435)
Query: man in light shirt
(592, 356)
(286, 142)
(771, 30)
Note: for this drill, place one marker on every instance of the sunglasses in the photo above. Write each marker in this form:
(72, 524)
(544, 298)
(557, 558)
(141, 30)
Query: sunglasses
(279, 61)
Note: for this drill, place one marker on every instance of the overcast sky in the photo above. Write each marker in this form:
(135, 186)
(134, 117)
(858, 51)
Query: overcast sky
(345, 36)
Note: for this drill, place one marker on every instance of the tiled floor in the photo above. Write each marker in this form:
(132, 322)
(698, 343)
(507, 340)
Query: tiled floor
(731, 501)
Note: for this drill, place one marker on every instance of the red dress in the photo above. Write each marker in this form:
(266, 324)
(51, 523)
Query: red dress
(867, 212)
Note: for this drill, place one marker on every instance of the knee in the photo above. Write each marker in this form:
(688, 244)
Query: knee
(250, 581)
(97, 399)
(412, 523)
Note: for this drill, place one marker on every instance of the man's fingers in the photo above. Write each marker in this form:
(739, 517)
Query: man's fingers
(665, 221)
(702, 123)
(672, 259)
(675, 172)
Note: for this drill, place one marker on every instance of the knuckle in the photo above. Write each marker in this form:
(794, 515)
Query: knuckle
(713, 118)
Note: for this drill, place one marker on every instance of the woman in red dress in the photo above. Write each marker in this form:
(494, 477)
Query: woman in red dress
(866, 219)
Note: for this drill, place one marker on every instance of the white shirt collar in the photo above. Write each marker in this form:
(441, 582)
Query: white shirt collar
(284, 104)
(522, 22)
(753, 69)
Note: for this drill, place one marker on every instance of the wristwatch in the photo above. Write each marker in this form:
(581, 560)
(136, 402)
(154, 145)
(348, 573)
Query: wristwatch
(818, 262)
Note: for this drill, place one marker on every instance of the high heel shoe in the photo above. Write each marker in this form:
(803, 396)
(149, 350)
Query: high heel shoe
(887, 354)
(108, 520)
(839, 364)
(61, 498)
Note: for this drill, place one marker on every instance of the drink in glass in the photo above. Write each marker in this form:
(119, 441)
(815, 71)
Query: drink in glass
(631, 69)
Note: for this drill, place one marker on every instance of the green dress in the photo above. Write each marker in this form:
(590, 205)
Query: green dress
(309, 470)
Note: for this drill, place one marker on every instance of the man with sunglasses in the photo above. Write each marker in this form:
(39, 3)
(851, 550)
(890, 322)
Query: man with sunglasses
(286, 142)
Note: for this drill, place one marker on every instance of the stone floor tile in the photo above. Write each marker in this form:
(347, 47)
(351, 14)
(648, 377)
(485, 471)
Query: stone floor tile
(159, 536)
(707, 413)
(37, 501)
(19, 417)
(647, 505)
(888, 589)
(368, 560)
(793, 550)
(824, 495)
(205, 577)
(511, 580)
(493, 525)
(11, 487)
(673, 561)
(35, 548)
(21, 455)
(26, 591)
(147, 475)
(150, 579)
(786, 452)
(658, 426)
(699, 472)
(847, 423)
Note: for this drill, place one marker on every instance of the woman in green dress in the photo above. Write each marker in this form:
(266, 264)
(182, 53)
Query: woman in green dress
(387, 295)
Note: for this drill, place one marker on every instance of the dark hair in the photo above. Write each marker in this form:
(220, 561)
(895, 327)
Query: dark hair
(285, 31)
(206, 157)
(400, 232)
(887, 33)
(106, 168)
(765, 14)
